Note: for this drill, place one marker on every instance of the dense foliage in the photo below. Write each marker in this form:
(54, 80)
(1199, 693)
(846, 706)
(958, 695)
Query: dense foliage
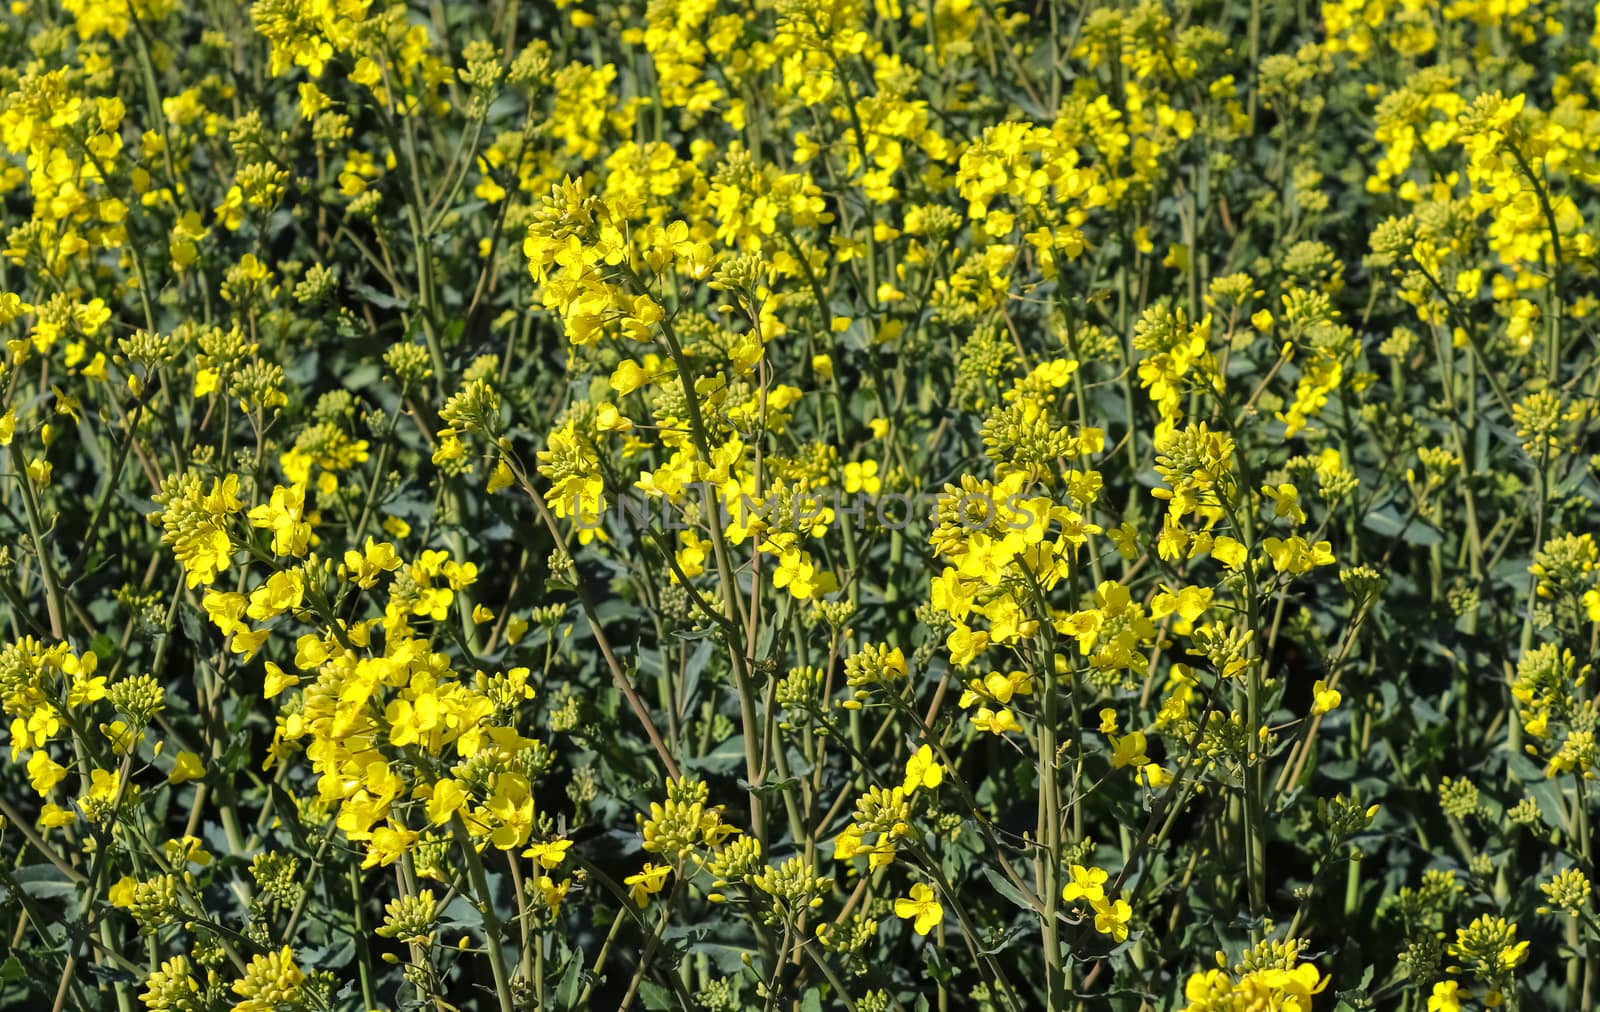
(964, 504)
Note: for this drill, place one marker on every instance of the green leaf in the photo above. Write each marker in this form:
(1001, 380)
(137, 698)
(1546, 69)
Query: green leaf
(362, 376)
(567, 990)
(655, 997)
(376, 298)
(44, 882)
(1387, 522)
(1006, 889)
(722, 758)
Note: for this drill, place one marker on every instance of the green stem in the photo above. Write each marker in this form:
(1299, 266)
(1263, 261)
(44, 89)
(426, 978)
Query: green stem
(491, 920)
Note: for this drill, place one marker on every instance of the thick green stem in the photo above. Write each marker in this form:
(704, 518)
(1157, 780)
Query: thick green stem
(491, 921)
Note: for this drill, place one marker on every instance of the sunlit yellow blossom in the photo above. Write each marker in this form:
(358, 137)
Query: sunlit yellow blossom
(921, 908)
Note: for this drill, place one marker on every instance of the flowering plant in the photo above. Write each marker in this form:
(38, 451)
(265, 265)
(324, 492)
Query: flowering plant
(976, 504)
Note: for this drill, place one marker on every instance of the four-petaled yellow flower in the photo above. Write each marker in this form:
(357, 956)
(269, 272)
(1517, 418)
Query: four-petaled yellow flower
(1447, 996)
(647, 882)
(1111, 918)
(1085, 884)
(921, 908)
(549, 854)
(922, 770)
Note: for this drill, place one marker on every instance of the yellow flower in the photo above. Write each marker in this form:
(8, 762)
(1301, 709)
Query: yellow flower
(276, 681)
(363, 568)
(1447, 996)
(1085, 884)
(121, 895)
(283, 516)
(516, 628)
(53, 816)
(1295, 555)
(1229, 552)
(104, 787)
(43, 772)
(921, 908)
(995, 722)
(1325, 700)
(549, 854)
(552, 892)
(447, 798)
(922, 770)
(1153, 775)
(862, 477)
(1128, 750)
(387, 844)
(501, 477)
(647, 882)
(848, 843)
(1111, 918)
(121, 737)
